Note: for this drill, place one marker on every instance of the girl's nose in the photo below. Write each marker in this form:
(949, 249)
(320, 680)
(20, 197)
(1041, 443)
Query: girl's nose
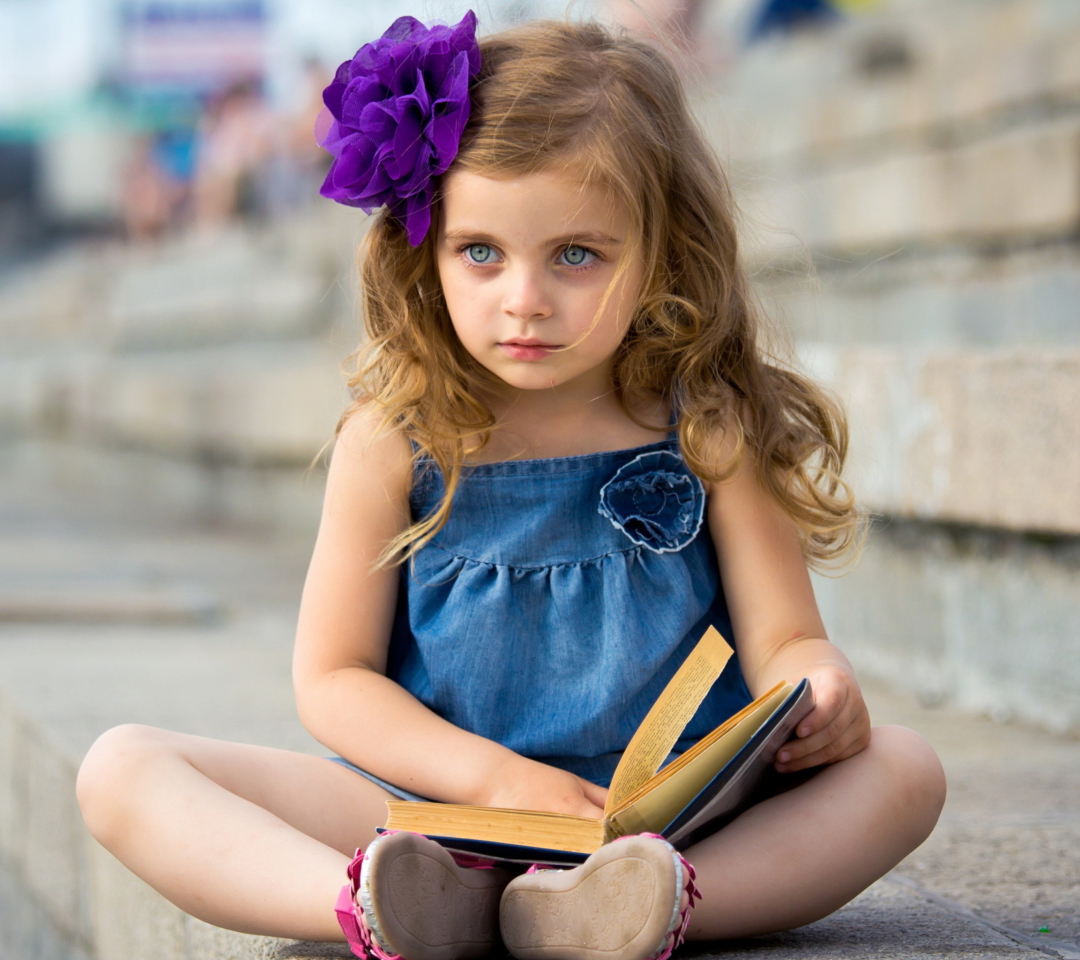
(526, 296)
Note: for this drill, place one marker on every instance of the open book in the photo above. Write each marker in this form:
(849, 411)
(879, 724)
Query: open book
(694, 795)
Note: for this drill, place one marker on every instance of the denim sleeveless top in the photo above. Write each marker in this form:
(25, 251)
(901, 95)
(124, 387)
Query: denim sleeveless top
(559, 599)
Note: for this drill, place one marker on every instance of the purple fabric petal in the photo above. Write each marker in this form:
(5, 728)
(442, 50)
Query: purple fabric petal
(405, 28)
(417, 216)
(407, 141)
(332, 98)
(420, 178)
(398, 111)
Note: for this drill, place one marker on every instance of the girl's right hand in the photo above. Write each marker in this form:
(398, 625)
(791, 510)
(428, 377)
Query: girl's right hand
(525, 784)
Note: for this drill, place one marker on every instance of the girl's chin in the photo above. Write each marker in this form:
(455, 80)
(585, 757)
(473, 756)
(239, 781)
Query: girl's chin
(545, 375)
(529, 380)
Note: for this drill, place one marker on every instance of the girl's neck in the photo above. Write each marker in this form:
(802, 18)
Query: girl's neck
(539, 425)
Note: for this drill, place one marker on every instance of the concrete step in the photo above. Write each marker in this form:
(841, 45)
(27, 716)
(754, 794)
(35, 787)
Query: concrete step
(1022, 184)
(982, 620)
(971, 137)
(228, 677)
(987, 438)
(281, 280)
(946, 300)
(925, 423)
(900, 73)
(1001, 847)
(255, 403)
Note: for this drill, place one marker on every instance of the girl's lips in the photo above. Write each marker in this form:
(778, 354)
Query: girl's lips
(527, 351)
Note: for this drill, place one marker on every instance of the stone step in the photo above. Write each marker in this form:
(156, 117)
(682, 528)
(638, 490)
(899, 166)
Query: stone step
(953, 300)
(903, 73)
(283, 280)
(984, 621)
(974, 139)
(1019, 186)
(62, 896)
(987, 438)
(61, 684)
(925, 423)
(269, 402)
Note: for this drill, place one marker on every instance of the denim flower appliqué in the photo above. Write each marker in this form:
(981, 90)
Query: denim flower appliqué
(656, 501)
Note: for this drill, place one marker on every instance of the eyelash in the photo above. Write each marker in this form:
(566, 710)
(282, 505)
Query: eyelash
(569, 266)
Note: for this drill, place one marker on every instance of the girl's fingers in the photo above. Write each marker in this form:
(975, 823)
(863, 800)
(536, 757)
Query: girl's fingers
(847, 742)
(594, 793)
(853, 741)
(811, 752)
(795, 749)
(829, 704)
(828, 726)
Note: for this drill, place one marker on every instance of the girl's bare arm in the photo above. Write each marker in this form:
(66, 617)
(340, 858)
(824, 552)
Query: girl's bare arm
(776, 620)
(339, 665)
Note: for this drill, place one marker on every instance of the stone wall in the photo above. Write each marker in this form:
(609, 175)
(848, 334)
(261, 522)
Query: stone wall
(199, 377)
(911, 188)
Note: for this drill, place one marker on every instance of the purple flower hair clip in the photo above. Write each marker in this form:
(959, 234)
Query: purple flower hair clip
(394, 118)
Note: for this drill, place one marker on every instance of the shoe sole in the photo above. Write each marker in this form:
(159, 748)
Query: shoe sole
(621, 904)
(423, 906)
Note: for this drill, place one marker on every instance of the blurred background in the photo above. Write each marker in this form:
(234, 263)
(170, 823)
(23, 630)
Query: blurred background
(176, 301)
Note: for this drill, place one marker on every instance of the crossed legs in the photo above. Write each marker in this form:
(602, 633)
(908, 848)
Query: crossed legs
(257, 840)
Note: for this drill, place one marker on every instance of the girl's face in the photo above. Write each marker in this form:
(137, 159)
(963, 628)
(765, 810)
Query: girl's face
(525, 264)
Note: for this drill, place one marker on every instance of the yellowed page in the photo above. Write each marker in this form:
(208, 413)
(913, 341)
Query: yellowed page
(703, 744)
(657, 808)
(532, 828)
(669, 716)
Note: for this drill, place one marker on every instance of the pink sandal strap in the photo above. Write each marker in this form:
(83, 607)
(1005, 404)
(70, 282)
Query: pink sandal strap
(350, 915)
(681, 919)
(350, 908)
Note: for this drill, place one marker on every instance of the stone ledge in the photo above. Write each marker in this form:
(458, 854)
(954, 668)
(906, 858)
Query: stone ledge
(925, 425)
(259, 403)
(280, 280)
(62, 685)
(97, 678)
(983, 621)
(953, 300)
(803, 99)
(1022, 184)
(989, 438)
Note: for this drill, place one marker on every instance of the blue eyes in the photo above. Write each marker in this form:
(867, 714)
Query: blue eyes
(577, 256)
(483, 254)
(480, 253)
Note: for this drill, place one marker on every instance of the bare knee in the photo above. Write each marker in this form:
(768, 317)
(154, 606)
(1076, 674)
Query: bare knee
(110, 773)
(916, 780)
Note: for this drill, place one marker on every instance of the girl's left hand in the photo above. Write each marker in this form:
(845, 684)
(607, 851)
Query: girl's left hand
(837, 728)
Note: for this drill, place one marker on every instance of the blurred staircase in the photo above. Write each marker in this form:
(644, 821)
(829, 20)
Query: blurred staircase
(924, 160)
(196, 378)
(911, 190)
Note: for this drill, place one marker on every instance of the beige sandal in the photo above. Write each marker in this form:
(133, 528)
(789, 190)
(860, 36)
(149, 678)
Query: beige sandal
(409, 898)
(623, 903)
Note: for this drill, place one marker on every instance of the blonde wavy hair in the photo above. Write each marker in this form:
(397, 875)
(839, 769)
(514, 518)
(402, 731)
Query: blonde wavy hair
(613, 108)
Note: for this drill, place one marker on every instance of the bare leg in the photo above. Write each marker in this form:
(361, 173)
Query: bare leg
(244, 837)
(797, 857)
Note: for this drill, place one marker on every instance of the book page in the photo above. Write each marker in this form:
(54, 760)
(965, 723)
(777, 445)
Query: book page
(530, 828)
(669, 716)
(698, 748)
(657, 808)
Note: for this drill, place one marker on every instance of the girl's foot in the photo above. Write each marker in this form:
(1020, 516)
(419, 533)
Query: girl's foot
(408, 898)
(630, 900)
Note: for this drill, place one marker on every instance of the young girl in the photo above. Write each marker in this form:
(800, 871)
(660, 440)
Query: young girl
(567, 457)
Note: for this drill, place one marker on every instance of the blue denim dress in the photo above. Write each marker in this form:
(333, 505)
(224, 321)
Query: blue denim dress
(557, 602)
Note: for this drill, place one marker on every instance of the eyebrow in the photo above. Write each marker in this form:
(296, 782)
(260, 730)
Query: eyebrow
(588, 236)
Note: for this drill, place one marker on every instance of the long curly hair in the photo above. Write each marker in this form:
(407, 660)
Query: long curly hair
(614, 107)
